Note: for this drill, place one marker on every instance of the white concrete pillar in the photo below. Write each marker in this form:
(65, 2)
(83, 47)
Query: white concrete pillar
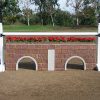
(2, 65)
(51, 60)
(98, 49)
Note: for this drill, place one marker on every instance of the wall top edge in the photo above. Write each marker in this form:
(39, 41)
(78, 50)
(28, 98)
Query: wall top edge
(51, 44)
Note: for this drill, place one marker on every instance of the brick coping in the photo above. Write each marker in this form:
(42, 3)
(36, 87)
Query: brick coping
(49, 44)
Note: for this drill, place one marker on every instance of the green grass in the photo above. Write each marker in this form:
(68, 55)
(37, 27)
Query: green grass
(46, 28)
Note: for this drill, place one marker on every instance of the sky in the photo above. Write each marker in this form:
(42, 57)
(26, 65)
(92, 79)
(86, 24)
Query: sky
(62, 6)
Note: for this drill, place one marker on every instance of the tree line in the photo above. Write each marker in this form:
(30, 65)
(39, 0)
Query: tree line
(48, 12)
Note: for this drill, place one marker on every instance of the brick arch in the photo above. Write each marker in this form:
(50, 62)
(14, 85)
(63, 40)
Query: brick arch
(29, 58)
(78, 58)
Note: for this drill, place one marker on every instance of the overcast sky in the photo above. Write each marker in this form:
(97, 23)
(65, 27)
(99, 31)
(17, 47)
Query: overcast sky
(62, 6)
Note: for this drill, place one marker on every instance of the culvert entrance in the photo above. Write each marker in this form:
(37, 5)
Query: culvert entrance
(26, 62)
(75, 62)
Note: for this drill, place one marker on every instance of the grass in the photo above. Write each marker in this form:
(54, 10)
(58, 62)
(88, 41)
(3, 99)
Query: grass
(46, 28)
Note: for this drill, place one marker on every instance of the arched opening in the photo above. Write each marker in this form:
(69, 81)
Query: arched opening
(26, 62)
(75, 62)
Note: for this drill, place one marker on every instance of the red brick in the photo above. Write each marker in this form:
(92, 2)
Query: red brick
(40, 53)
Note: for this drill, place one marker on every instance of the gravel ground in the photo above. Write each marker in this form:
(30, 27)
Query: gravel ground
(42, 85)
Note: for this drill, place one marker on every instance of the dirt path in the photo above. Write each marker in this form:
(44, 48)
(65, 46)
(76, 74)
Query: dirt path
(64, 85)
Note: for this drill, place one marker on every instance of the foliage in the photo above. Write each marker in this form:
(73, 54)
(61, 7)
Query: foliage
(26, 11)
(77, 5)
(46, 7)
(88, 17)
(63, 18)
(84, 11)
(10, 12)
(49, 13)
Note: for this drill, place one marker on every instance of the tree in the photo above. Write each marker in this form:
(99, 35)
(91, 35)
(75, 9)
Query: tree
(27, 14)
(77, 5)
(89, 11)
(46, 7)
(26, 10)
(50, 8)
(10, 11)
(1, 7)
(63, 18)
(98, 9)
(88, 16)
(39, 3)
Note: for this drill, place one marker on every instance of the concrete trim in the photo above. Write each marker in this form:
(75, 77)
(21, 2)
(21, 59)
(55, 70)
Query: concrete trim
(75, 57)
(63, 44)
(26, 57)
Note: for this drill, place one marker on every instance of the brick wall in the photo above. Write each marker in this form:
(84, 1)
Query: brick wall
(39, 52)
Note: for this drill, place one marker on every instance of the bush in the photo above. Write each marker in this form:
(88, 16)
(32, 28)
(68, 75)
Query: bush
(63, 18)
